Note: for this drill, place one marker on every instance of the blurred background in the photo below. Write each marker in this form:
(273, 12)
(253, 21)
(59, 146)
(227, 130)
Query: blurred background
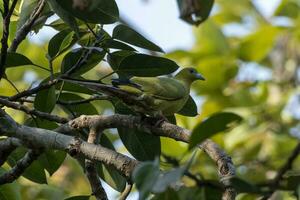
(249, 53)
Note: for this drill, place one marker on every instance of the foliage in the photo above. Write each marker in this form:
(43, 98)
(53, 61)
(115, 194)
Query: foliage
(234, 89)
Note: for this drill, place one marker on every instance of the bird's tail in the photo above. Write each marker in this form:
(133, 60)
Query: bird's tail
(127, 97)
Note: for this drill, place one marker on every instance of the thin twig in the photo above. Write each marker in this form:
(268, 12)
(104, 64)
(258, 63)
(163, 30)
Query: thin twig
(27, 26)
(29, 92)
(200, 183)
(91, 30)
(126, 192)
(27, 110)
(286, 167)
(20, 167)
(7, 12)
(13, 85)
(203, 183)
(91, 170)
(107, 75)
(92, 98)
(7, 146)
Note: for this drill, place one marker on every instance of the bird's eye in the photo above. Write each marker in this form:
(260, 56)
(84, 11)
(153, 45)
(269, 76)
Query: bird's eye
(191, 71)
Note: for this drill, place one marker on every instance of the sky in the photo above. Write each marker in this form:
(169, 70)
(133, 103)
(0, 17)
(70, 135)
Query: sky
(158, 21)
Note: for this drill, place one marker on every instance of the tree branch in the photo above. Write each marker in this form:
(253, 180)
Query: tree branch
(7, 146)
(29, 92)
(47, 139)
(20, 167)
(226, 168)
(92, 98)
(7, 12)
(200, 183)
(126, 192)
(125, 165)
(29, 111)
(26, 28)
(286, 166)
(91, 171)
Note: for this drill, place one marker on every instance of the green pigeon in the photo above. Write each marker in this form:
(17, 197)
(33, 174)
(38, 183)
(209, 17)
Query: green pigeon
(153, 96)
(166, 95)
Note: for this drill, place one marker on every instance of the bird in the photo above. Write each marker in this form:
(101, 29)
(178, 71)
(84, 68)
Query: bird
(165, 95)
(153, 96)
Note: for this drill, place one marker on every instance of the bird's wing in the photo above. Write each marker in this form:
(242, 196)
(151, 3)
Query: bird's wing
(161, 87)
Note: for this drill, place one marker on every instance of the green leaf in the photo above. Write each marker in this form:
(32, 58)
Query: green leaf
(114, 44)
(95, 57)
(115, 58)
(52, 160)
(145, 176)
(189, 109)
(127, 34)
(35, 172)
(256, 46)
(60, 42)
(9, 191)
(195, 11)
(82, 197)
(71, 87)
(167, 178)
(58, 25)
(291, 180)
(243, 186)
(169, 194)
(172, 119)
(41, 123)
(78, 109)
(211, 193)
(93, 11)
(211, 40)
(143, 146)
(288, 8)
(216, 123)
(16, 59)
(146, 65)
(111, 176)
(191, 193)
(45, 100)
(64, 15)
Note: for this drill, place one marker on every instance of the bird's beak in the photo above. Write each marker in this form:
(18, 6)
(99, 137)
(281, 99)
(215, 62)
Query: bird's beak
(200, 77)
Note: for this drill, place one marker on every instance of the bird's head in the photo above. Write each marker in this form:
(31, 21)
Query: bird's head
(189, 74)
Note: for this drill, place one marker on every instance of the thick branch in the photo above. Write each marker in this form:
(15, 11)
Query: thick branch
(225, 166)
(53, 140)
(46, 139)
(20, 167)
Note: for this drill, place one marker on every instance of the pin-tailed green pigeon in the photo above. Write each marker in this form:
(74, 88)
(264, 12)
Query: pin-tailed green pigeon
(154, 96)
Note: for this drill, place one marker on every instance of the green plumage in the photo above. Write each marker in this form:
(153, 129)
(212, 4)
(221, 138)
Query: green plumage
(154, 96)
(163, 94)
